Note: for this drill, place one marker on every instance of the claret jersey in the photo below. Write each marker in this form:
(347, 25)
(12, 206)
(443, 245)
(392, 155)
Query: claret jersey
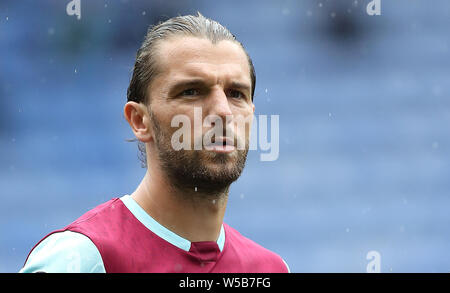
(118, 236)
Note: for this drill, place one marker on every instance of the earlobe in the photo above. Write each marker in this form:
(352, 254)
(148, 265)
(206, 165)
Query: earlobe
(137, 117)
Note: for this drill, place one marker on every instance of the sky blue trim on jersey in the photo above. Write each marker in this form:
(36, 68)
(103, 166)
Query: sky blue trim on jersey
(289, 270)
(65, 252)
(221, 239)
(159, 229)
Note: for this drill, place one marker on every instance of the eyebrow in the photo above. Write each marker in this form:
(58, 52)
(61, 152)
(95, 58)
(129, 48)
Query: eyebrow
(239, 85)
(201, 83)
(186, 83)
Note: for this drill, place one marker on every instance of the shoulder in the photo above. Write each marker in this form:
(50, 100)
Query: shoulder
(253, 251)
(74, 248)
(100, 211)
(64, 252)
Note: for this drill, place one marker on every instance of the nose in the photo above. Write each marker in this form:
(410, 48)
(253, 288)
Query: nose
(219, 105)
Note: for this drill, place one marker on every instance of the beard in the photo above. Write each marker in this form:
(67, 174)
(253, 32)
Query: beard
(208, 173)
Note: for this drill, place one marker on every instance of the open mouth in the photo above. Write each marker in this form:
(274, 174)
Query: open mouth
(221, 145)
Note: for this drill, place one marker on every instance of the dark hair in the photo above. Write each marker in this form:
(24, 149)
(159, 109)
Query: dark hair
(146, 68)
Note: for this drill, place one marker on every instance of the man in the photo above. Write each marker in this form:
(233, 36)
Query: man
(191, 68)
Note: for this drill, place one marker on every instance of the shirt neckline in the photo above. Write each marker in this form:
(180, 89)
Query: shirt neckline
(162, 231)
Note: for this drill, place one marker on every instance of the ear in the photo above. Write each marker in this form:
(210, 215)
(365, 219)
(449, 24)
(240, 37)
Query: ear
(139, 119)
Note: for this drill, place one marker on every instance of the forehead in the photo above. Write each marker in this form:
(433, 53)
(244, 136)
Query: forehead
(193, 56)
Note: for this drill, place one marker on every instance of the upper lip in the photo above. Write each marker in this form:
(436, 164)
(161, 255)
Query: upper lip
(220, 140)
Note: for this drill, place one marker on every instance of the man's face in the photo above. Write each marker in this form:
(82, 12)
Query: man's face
(215, 80)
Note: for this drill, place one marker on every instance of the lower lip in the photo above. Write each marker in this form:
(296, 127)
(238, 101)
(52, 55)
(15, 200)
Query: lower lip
(221, 149)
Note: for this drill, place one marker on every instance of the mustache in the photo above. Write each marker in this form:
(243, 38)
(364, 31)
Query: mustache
(212, 137)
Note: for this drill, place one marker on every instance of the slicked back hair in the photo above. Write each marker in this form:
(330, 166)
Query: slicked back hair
(146, 67)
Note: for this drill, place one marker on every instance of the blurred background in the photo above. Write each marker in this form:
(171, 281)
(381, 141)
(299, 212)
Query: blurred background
(364, 110)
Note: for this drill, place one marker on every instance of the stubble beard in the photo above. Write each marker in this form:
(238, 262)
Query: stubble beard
(208, 174)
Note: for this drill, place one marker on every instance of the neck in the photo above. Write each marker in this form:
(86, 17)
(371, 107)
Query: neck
(188, 213)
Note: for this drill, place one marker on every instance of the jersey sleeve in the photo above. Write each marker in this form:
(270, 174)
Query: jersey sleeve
(65, 252)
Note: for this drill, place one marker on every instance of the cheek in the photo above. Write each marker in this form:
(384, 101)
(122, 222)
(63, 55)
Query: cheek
(162, 126)
(167, 114)
(242, 126)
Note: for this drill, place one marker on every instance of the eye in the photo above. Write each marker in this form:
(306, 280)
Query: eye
(189, 92)
(236, 94)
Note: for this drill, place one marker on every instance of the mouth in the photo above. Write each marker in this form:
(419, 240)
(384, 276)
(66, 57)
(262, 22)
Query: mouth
(221, 145)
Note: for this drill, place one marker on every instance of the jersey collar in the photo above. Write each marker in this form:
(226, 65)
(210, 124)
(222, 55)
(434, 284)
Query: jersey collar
(159, 229)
